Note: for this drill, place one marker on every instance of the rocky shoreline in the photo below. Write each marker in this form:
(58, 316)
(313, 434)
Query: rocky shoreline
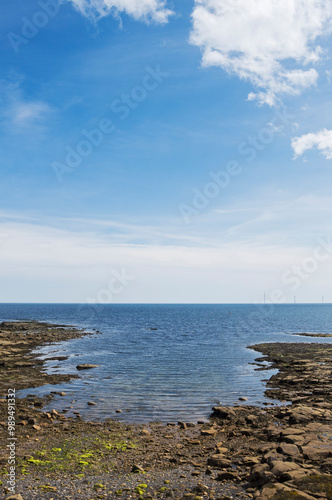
(282, 452)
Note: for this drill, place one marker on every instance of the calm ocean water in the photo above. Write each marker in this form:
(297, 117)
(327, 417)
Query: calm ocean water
(166, 362)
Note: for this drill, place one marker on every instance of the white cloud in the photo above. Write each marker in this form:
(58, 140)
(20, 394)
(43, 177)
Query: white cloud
(144, 10)
(270, 43)
(321, 140)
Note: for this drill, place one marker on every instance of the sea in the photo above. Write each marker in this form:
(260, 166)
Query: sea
(166, 362)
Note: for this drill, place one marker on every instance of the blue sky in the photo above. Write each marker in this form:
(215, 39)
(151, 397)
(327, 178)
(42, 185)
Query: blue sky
(116, 119)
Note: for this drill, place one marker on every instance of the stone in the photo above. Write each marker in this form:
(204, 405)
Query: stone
(137, 468)
(273, 457)
(91, 403)
(258, 473)
(290, 450)
(243, 399)
(209, 432)
(200, 489)
(222, 450)
(250, 461)
(15, 497)
(227, 476)
(223, 412)
(219, 461)
(281, 467)
(86, 366)
(294, 439)
(182, 425)
(315, 454)
(145, 432)
(291, 431)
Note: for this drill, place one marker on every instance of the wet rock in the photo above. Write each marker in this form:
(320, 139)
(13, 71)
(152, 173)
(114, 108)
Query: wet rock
(86, 366)
(223, 412)
(91, 403)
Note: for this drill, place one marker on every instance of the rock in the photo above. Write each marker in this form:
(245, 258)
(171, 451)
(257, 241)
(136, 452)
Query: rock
(291, 431)
(258, 473)
(219, 461)
(250, 461)
(36, 427)
(15, 497)
(281, 467)
(145, 432)
(243, 399)
(294, 439)
(315, 454)
(227, 476)
(137, 468)
(209, 432)
(222, 450)
(289, 449)
(91, 403)
(267, 492)
(182, 425)
(118, 411)
(200, 489)
(273, 457)
(223, 412)
(86, 366)
(291, 475)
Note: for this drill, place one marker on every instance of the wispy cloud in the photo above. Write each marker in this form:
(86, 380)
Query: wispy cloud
(17, 110)
(321, 140)
(271, 44)
(143, 10)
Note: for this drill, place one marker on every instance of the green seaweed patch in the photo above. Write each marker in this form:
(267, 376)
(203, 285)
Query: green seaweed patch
(74, 455)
